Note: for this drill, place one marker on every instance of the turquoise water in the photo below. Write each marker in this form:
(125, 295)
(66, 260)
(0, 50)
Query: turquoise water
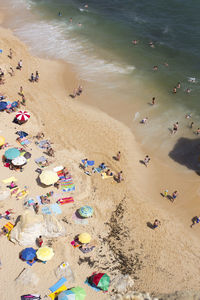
(102, 52)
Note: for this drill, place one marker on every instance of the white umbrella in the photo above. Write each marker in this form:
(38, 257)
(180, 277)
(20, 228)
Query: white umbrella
(19, 161)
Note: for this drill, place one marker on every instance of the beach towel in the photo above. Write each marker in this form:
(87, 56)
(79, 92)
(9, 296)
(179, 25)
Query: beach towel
(55, 208)
(9, 180)
(31, 297)
(44, 144)
(22, 193)
(69, 189)
(9, 226)
(98, 170)
(40, 159)
(63, 201)
(58, 291)
(104, 176)
(79, 220)
(58, 284)
(46, 210)
(29, 263)
(89, 162)
(38, 200)
(21, 133)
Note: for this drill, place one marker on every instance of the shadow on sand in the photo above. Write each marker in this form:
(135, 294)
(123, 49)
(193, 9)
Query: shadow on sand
(187, 152)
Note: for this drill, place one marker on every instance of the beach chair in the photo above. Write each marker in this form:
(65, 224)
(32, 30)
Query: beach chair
(9, 226)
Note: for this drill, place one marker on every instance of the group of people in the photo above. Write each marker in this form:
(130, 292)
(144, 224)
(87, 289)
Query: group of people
(34, 78)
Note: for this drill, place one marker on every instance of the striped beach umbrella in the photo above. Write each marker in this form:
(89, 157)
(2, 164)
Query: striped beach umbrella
(22, 115)
(85, 211)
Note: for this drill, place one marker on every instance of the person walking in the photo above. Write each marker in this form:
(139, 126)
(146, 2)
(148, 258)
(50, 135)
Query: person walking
(195, 220)
(156, 224)
(146, 160)
(174, 195)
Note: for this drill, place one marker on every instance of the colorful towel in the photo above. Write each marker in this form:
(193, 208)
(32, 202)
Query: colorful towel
(40, 159)
(9, 226)
(105, 176)
(58, 284)
(55, 208)
(65, 200)
(89, 162)
(58, 291)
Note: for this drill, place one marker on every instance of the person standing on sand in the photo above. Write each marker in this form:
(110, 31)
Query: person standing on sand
(118, 156)
(174, 196)
(156, 224)
(191, 125)
(165, 193)
(19, 66)
(40, 241)
(36, 76)
(195, 220)
(146, 160)
(10, 53)
(153, 100)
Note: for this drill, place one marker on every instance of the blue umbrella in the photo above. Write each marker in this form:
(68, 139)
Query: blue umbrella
(12, 153)
(28, 254)
(86, 211)
(3, 105)
(67, 295)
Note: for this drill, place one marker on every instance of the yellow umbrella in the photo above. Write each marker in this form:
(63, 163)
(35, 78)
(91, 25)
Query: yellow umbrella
(49, 177)
(84, 238)
(2, 140)
(45, 253)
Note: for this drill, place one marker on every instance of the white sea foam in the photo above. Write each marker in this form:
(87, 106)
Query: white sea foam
(62, 43)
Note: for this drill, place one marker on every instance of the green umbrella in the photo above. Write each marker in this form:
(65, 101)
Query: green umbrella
(79, 292)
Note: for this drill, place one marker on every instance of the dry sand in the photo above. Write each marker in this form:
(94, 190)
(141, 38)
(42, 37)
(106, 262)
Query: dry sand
(160, 261)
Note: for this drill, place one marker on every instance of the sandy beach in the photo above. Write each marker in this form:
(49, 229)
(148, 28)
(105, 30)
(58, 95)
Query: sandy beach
(164, 260)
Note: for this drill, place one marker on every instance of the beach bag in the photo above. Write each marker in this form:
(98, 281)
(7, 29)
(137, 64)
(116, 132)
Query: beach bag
(31, 297)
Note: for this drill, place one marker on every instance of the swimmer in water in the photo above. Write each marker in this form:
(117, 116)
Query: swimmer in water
(134, 42)
(188, 90)
(178, 85)
(155, 68)
(188, 116)
(174, 90)
(86, 5)
(79, 24)
(70, 20)
(166, 64)
(59, 14)
(151, 44)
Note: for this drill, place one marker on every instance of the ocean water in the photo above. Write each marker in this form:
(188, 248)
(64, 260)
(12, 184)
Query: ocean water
(102, 53)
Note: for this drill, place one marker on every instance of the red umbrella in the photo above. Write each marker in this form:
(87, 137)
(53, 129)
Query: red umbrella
(22, 115)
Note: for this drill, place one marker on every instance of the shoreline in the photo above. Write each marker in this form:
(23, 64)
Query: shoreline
(78, 129)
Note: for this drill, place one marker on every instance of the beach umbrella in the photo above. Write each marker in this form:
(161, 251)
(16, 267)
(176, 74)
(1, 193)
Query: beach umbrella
(12, 153)
(67, 295)
(45, 253)
(27, 155)
(84, 238)
(3, 105)
(2, 140)
(49, 177)
(79, 292)
(19, 161)
(100, 280)
(22, 115)
(85, 211)
(28, 254)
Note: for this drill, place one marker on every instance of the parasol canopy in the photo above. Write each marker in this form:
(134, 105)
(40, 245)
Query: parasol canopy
(12, 153)
(19, 161)
(100, 280)
(45, 253)
(84, 238)
(3, 105)
(2, 140)
(49, 177)
(67, 295)
(79, 293)
(22, 115)
(86, 211)
(28, 254)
